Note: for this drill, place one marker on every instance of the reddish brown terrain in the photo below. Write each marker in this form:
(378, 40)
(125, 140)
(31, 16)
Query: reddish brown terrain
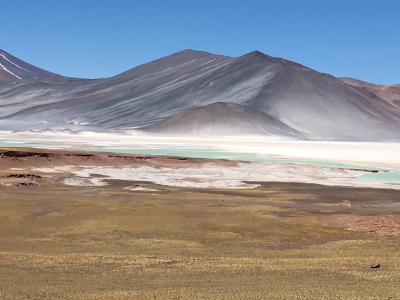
(390, 93)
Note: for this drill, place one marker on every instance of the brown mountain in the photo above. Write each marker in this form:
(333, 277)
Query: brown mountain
(391, 92)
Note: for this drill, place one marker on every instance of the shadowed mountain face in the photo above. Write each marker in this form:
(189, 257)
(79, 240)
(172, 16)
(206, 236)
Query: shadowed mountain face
(194, 92)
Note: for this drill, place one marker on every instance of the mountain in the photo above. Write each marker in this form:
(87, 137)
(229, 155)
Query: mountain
(223, 119)
(12, 68)
(253, 94)
(391, 92)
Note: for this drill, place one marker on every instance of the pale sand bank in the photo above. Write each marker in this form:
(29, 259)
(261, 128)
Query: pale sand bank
(209, 175)
(385, 155)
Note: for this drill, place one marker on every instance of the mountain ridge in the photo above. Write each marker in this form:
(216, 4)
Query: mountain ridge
(389, 92)
(315, 105)
(13, 68)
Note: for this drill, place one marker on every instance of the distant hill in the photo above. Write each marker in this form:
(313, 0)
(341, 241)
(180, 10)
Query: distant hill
(222, 119)
(391, 92)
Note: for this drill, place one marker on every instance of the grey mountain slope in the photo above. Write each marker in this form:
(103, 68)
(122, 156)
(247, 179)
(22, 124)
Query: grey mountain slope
(222, 119)
(12, 68)
(322, 106)
(318, 105)
(133, 98)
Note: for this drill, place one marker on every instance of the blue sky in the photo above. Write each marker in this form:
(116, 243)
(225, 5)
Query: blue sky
(87, 38)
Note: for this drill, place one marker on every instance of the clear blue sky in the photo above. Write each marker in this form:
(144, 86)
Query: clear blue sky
(88, 38)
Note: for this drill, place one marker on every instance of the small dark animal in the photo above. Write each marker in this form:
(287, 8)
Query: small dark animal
(375, 266)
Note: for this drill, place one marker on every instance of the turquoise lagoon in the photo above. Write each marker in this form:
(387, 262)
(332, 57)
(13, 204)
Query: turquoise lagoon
(379, 174)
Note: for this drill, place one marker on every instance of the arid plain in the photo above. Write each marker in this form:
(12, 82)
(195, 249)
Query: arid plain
(126, 239)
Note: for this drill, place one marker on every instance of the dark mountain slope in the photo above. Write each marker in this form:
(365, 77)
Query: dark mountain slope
(12, 68)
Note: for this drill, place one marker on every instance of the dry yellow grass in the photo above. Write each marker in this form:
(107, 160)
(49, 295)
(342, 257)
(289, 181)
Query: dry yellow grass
(59, 242)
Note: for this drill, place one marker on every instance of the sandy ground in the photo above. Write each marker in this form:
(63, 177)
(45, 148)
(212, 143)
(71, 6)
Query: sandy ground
(373, 224)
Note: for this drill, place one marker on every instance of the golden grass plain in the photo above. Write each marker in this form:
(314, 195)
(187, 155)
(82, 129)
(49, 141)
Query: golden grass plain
(62, 242)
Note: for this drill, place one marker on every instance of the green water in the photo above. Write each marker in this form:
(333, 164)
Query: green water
(15, 144)
(185, 152)
(33, 144)
(383, 175)
(220, 154)
(386, 177)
